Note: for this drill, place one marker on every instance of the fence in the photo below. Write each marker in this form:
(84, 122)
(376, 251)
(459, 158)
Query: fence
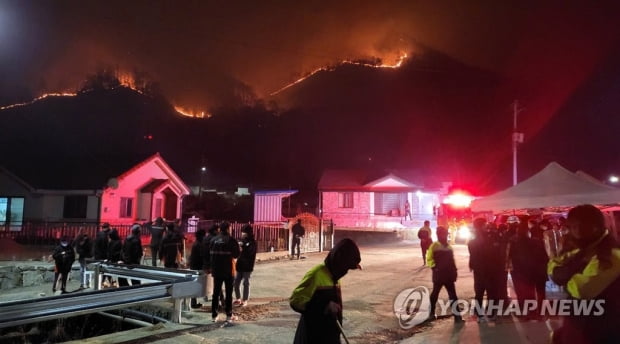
(267, 236)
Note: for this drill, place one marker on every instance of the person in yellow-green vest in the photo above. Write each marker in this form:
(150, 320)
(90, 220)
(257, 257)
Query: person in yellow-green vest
(318, 297)
(589, 272)
(440, 258)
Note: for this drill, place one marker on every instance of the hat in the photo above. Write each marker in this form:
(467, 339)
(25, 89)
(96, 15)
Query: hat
(105, 225)
(135, 228)
(513, 219)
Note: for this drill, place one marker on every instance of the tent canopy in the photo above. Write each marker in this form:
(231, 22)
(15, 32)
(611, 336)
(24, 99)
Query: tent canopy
(552, 187)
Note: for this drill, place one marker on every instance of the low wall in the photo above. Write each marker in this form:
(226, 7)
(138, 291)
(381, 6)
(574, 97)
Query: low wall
(28, 275)
(368, 237)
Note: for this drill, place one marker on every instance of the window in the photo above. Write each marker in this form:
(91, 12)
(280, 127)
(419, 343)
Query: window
(11, 213)
(345, 200)
(126, 207)
(75, 207)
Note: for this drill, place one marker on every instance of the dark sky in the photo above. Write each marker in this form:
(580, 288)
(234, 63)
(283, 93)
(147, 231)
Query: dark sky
(197, 49)
(202, 52)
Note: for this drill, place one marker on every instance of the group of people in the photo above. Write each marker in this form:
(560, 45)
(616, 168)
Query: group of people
(107, 246)
(226, 262)
(586, 262)
(494, 252)
(509, 248)
(167, 243)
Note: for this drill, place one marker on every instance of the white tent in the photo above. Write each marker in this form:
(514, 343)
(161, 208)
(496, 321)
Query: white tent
(552, 187)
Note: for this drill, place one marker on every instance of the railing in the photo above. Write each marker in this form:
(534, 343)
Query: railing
(267, 236)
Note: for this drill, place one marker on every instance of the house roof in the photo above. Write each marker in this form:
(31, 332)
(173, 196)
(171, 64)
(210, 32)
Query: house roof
(44, 172)
(152, 185)
(281, 193)
(361, 180)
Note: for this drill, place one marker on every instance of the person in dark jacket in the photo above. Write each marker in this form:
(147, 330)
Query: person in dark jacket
(132, 252)
(424, 234)
(157, 231)
(440, 258)
(590, 271)
(211, 234)
(528, 259)
(101, 242)
(318, 297)
(64, 256)
(222, 251)
(115, 248)
(171, 251)
(481, 262)
(196, 259)
(84, 248)
(115, 252)
(298, 232)
(245, 265)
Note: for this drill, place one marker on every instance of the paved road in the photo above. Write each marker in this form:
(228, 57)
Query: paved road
(368, 306)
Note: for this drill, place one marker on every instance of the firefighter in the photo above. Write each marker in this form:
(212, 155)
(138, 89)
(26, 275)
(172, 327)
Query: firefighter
(440, 259)
(591, 271)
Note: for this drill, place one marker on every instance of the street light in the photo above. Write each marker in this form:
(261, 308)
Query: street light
(613, 179)
(203, 170)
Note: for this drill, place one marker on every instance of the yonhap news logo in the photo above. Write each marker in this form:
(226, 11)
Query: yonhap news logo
(412, 306)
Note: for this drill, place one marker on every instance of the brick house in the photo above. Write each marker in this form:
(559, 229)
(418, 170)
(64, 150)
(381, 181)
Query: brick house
(367, 201)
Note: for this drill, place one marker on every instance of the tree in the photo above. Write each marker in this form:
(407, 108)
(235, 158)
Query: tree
(102, 80)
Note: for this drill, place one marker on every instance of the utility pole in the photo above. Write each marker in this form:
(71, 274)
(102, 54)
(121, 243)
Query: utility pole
(516, 139)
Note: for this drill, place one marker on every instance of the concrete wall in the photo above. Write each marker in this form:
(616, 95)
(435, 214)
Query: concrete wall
(28, 275)
(358, 216)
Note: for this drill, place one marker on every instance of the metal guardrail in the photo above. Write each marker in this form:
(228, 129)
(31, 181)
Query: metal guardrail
(169, 284)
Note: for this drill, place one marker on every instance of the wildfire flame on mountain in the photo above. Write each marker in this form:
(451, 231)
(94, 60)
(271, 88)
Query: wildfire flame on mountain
(377, 64)
(43, 96)
(191, 113)
(127, 80)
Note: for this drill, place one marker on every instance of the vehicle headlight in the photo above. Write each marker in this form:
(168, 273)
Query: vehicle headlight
(464, 232)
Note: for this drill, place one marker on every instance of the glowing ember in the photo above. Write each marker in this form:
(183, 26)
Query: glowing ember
(399, 62)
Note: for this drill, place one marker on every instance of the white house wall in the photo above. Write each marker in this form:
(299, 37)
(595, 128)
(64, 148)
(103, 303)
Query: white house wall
(267, 208)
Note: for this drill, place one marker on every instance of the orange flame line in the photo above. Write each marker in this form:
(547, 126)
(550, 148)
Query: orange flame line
(398, 63)
(41, 97)
(193, 114)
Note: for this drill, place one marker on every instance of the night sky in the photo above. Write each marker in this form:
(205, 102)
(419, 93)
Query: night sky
(558, 58)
